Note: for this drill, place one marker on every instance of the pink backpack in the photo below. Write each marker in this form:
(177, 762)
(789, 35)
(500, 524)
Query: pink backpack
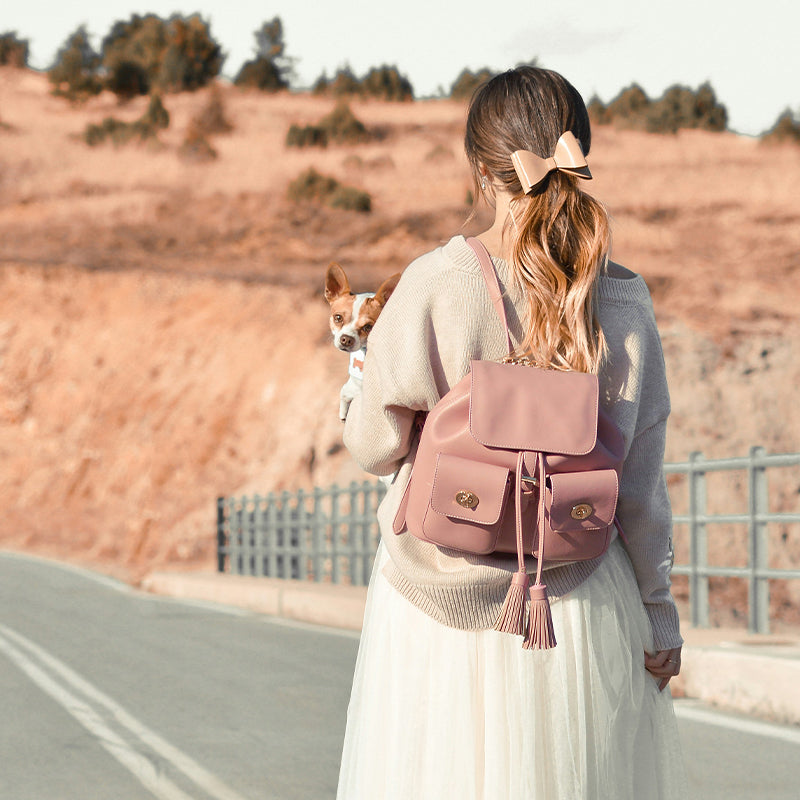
(517, 459)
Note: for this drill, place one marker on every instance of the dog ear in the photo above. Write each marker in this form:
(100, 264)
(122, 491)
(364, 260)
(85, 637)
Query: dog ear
(336, 283)
(386, 288)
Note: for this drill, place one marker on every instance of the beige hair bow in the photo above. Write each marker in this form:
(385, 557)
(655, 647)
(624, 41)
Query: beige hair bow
(568, 157)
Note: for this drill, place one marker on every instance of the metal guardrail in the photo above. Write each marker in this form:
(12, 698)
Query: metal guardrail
(758, 516)
(323, 535)
(331, 534)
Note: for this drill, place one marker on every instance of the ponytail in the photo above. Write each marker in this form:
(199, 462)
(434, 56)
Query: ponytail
(561, 240)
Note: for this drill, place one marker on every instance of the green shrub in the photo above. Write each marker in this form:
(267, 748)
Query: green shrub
(343, 83)
(193, 58)
(156, 117)
(119, 133)
(351, 199)
(439, 153)
(341, 126)
(259, 74)
(598, 111)
(467, 82)
(149, 53)
(211, 119)
(785, 129)
(382, 83)
(306, 136)
(629, 108)
(127, 80)
(195, 146)
(270, 70)
(13, 50)
(679, 107)
(709, 114)
(75, 71)
(116, 131)
(311, 186)
(386, 83)
(132, 53)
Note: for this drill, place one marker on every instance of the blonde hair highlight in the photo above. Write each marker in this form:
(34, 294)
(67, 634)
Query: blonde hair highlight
(561, 234)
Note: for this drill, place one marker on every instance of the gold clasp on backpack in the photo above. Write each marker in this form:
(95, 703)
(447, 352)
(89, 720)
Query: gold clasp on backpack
(467, 499)
(531, 481)
(581, 511)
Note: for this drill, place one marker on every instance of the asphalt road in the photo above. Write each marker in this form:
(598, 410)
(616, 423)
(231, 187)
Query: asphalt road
(107, 693)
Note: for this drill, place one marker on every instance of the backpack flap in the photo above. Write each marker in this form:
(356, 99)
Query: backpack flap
(582, 501)
(469, 490)
(517, 407)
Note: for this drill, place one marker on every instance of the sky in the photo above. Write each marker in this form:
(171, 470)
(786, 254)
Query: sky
(747, 50)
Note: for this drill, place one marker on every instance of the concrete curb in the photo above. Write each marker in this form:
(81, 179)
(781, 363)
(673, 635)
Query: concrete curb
(320, 604)
(754, 675)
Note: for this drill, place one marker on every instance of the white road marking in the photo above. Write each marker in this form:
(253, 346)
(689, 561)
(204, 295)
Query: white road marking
(740, 724)
(138, 764)
(141, 767)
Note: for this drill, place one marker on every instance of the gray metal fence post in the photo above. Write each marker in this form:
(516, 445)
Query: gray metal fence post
(356, 526)
(317, 525)
(235, 535)
(221, 538)
(249, 536)
(271, 534)
(365, 540)
(758, 508)
(259, 546)
(285, 532)
(698, 543)
(300, 537)
(336, 493)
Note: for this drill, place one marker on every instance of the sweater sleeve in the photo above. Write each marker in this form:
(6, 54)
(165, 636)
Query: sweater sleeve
(644, 508)
(646, 516)
(408, 368)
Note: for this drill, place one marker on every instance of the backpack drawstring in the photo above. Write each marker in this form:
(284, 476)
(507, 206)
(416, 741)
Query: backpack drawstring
(539, 633)
(512, 614)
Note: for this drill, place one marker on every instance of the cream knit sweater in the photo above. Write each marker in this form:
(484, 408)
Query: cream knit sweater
(439, 319)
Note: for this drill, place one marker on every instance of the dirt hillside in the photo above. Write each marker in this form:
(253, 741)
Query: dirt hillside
(163, 336)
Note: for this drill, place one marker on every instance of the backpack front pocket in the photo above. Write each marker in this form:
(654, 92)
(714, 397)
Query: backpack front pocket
(468, 499)
(580, 510)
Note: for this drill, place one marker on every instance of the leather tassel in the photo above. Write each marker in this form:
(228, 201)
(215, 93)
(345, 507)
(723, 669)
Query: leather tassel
(541, 635)
(512, 614)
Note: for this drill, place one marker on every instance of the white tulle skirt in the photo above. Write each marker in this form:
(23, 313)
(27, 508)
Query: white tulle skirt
(438, 713)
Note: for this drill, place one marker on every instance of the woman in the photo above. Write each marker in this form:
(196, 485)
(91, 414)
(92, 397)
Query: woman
(443, 705)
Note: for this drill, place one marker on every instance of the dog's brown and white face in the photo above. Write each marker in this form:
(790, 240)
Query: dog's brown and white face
(353, 315)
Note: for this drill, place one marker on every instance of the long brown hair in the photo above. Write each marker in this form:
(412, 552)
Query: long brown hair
(561, 234)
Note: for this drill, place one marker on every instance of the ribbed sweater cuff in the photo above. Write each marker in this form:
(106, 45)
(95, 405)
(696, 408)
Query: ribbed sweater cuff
(666, 625)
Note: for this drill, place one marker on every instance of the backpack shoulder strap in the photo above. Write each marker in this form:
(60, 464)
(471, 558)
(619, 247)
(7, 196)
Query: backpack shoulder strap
(492, 284)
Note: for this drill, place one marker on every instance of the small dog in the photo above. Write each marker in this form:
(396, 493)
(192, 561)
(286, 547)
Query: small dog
(352, 318)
